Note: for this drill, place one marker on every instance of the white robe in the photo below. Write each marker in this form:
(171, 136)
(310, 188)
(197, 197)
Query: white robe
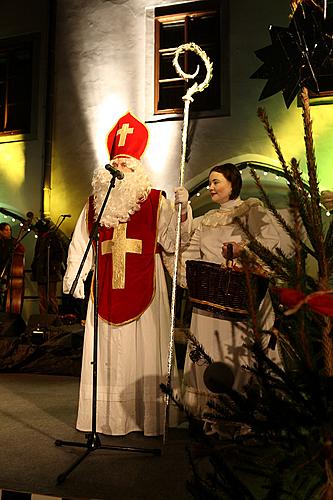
(223, 339)
(132, 358)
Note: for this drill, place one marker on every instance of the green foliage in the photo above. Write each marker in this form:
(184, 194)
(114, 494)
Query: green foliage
(275, 440)
(271, 440)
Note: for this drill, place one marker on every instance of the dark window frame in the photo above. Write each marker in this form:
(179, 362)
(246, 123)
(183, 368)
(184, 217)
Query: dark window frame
(23, 127)
(181, 13)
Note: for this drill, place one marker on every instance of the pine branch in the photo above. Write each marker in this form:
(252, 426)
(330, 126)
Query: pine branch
(314, 189)
(265, 365)
(311, 159)
(301, 196)
(329, 248)
(292, 177)
(300, 264)
(199, 350)
(272, 261)
(251, 303)
(290, 231)
(300, 199)
(328, 347)
(264, 118)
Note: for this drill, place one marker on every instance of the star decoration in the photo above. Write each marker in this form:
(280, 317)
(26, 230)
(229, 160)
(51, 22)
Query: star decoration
(300, 56)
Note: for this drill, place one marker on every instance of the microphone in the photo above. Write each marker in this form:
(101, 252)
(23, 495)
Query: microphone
(114, 171)
(66, 215)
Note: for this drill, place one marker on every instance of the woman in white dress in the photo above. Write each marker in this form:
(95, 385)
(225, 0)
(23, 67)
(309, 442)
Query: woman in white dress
(223, 339)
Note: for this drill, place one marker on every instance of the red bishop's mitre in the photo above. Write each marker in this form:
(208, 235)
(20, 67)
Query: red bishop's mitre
(128, 137)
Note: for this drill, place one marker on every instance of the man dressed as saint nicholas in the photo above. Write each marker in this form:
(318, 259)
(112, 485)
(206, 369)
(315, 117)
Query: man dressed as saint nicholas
(133, 308)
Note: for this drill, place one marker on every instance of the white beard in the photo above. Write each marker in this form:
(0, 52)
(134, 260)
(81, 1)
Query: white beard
(125, 198)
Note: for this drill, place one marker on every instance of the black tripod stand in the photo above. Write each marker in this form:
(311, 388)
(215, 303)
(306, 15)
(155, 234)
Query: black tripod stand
(93, 441)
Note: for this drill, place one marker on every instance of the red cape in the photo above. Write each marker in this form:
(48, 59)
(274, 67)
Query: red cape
(126, 263)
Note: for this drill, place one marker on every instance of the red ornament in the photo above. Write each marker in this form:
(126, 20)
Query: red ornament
(321, 302)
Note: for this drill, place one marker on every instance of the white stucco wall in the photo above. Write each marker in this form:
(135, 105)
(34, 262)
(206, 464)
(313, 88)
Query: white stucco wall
(104, 67)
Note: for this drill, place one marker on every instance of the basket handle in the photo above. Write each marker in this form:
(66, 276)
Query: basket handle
(230, 255)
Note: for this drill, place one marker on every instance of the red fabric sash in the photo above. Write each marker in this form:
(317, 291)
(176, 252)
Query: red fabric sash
(130, 256)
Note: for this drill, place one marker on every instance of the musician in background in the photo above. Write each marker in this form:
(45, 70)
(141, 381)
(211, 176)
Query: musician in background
(8, 247)
(47, 264)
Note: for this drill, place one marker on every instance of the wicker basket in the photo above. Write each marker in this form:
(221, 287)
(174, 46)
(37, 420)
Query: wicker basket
(222, 290)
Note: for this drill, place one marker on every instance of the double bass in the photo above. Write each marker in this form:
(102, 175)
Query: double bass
(14, 281)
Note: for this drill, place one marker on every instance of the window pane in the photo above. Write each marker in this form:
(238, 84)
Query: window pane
(2, 116)
(16, 59)
(203, 29)
(167, 70)
(19, 89)
(171, 94)
(210, 97)
(3, 67)
(18, 117)
(171, 34)
(3, 84)
(2, 92)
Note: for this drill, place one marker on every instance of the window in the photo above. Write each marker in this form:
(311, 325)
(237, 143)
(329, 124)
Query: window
(201, 22)
(17, 56)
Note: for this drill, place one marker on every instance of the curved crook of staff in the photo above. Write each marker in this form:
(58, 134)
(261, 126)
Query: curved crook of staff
(187, 98)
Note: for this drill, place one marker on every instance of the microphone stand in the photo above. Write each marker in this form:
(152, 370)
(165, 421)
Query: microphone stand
(48, 274)
(93, 441)
(51, 230)
(56, 227)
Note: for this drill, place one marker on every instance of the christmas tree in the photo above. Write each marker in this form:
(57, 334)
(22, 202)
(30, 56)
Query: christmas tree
(275, 439)
(279, 439)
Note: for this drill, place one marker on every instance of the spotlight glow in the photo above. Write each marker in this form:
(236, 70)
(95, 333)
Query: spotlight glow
(12, 164)
(108, 112)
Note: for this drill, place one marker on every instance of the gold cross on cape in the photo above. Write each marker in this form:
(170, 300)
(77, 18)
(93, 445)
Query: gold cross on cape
(123, 131)
(119, 246)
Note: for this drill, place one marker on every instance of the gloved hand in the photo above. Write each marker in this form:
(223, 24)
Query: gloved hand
(236, 249)
(181, 196)
(326, 197)
(79, 289)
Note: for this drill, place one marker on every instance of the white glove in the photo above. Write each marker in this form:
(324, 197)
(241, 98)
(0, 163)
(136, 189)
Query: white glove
(181, 196)
(79, 289)
(326, 197)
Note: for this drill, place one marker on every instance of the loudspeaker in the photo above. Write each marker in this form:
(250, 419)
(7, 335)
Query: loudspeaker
(40, 325)
(11, 324)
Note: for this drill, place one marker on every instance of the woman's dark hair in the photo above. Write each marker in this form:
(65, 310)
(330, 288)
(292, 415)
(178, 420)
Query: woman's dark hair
(232, 174)
(3, 225)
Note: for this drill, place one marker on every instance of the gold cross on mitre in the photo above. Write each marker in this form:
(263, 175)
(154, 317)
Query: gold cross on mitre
(123, 131)
(119, 246)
